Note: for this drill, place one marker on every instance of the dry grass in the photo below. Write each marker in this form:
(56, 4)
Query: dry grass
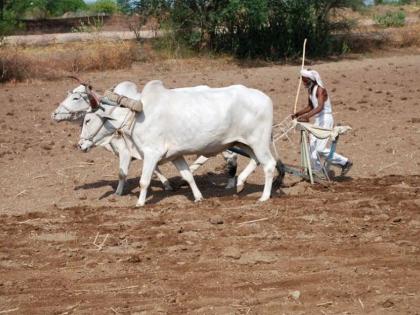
(406, 37)
(23, 63)
(391, 38)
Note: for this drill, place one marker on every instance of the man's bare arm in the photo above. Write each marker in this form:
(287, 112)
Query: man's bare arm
(303, 111)
(322, 96)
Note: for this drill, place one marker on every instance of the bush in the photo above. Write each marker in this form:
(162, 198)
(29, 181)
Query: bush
(391, 19)
(9, 23)
(19, 63)
(270, 29)
(104, 6)
(57, 8)
(15, 66)
(92, 25)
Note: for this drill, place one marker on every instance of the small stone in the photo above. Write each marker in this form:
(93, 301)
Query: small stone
(382, 217)
(91, 264)
(251, 258)
(295, 295)
(232, 252)
(217, 219)
(397, 219)
(181, 229)
(388, 303)
(134, 259)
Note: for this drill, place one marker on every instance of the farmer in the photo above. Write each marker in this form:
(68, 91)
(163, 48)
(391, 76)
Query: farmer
(319, 106)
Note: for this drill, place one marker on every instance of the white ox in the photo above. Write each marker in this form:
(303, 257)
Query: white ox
(175, 123)
(75, 106)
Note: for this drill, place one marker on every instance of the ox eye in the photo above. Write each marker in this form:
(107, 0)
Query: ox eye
(75, 98)
(87, 121)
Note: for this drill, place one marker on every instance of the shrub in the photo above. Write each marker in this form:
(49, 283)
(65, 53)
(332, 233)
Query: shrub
(14, 65)
(104, 6)
(20, 63)
(57, 8)
(391, 19)
(271, 29)
(92, 25)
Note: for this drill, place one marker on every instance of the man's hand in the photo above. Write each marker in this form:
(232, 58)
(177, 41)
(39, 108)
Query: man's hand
(303, 118)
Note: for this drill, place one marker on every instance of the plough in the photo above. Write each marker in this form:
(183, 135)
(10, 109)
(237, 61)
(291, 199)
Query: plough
(304, 170)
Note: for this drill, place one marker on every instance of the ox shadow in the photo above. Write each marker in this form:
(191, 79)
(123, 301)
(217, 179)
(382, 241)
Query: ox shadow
(210, 185)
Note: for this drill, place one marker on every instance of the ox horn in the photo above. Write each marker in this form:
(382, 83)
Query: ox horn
(75, 78)
(93, 98)
(87, 84)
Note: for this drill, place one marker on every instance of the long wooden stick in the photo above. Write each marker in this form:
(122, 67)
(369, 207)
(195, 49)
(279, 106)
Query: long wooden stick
(300, 78)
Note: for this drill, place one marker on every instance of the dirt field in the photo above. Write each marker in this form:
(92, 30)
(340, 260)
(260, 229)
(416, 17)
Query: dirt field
(349, 248)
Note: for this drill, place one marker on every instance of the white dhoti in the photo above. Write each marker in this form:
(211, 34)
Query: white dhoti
(319, 146)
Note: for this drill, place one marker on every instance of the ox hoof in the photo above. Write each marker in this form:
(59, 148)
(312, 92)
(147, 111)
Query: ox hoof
(262, 199)
(140, 204)
(118, 193)
(198, 200)
(239, 188)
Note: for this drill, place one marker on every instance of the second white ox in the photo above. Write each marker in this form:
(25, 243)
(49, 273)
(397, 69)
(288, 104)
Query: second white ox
(177, 123)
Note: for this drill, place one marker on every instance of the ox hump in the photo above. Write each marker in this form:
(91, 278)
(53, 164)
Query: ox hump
(152, 91)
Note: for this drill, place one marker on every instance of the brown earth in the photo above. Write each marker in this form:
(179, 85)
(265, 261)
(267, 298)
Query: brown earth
(349, 248)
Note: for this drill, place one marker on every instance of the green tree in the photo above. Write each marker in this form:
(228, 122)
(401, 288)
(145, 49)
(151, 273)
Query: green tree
(13, 10)
(250, 28)
(57, 8)
(104, 6)
(125, 6)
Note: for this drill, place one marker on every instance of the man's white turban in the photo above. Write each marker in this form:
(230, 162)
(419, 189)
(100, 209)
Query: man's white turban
(312, 75)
